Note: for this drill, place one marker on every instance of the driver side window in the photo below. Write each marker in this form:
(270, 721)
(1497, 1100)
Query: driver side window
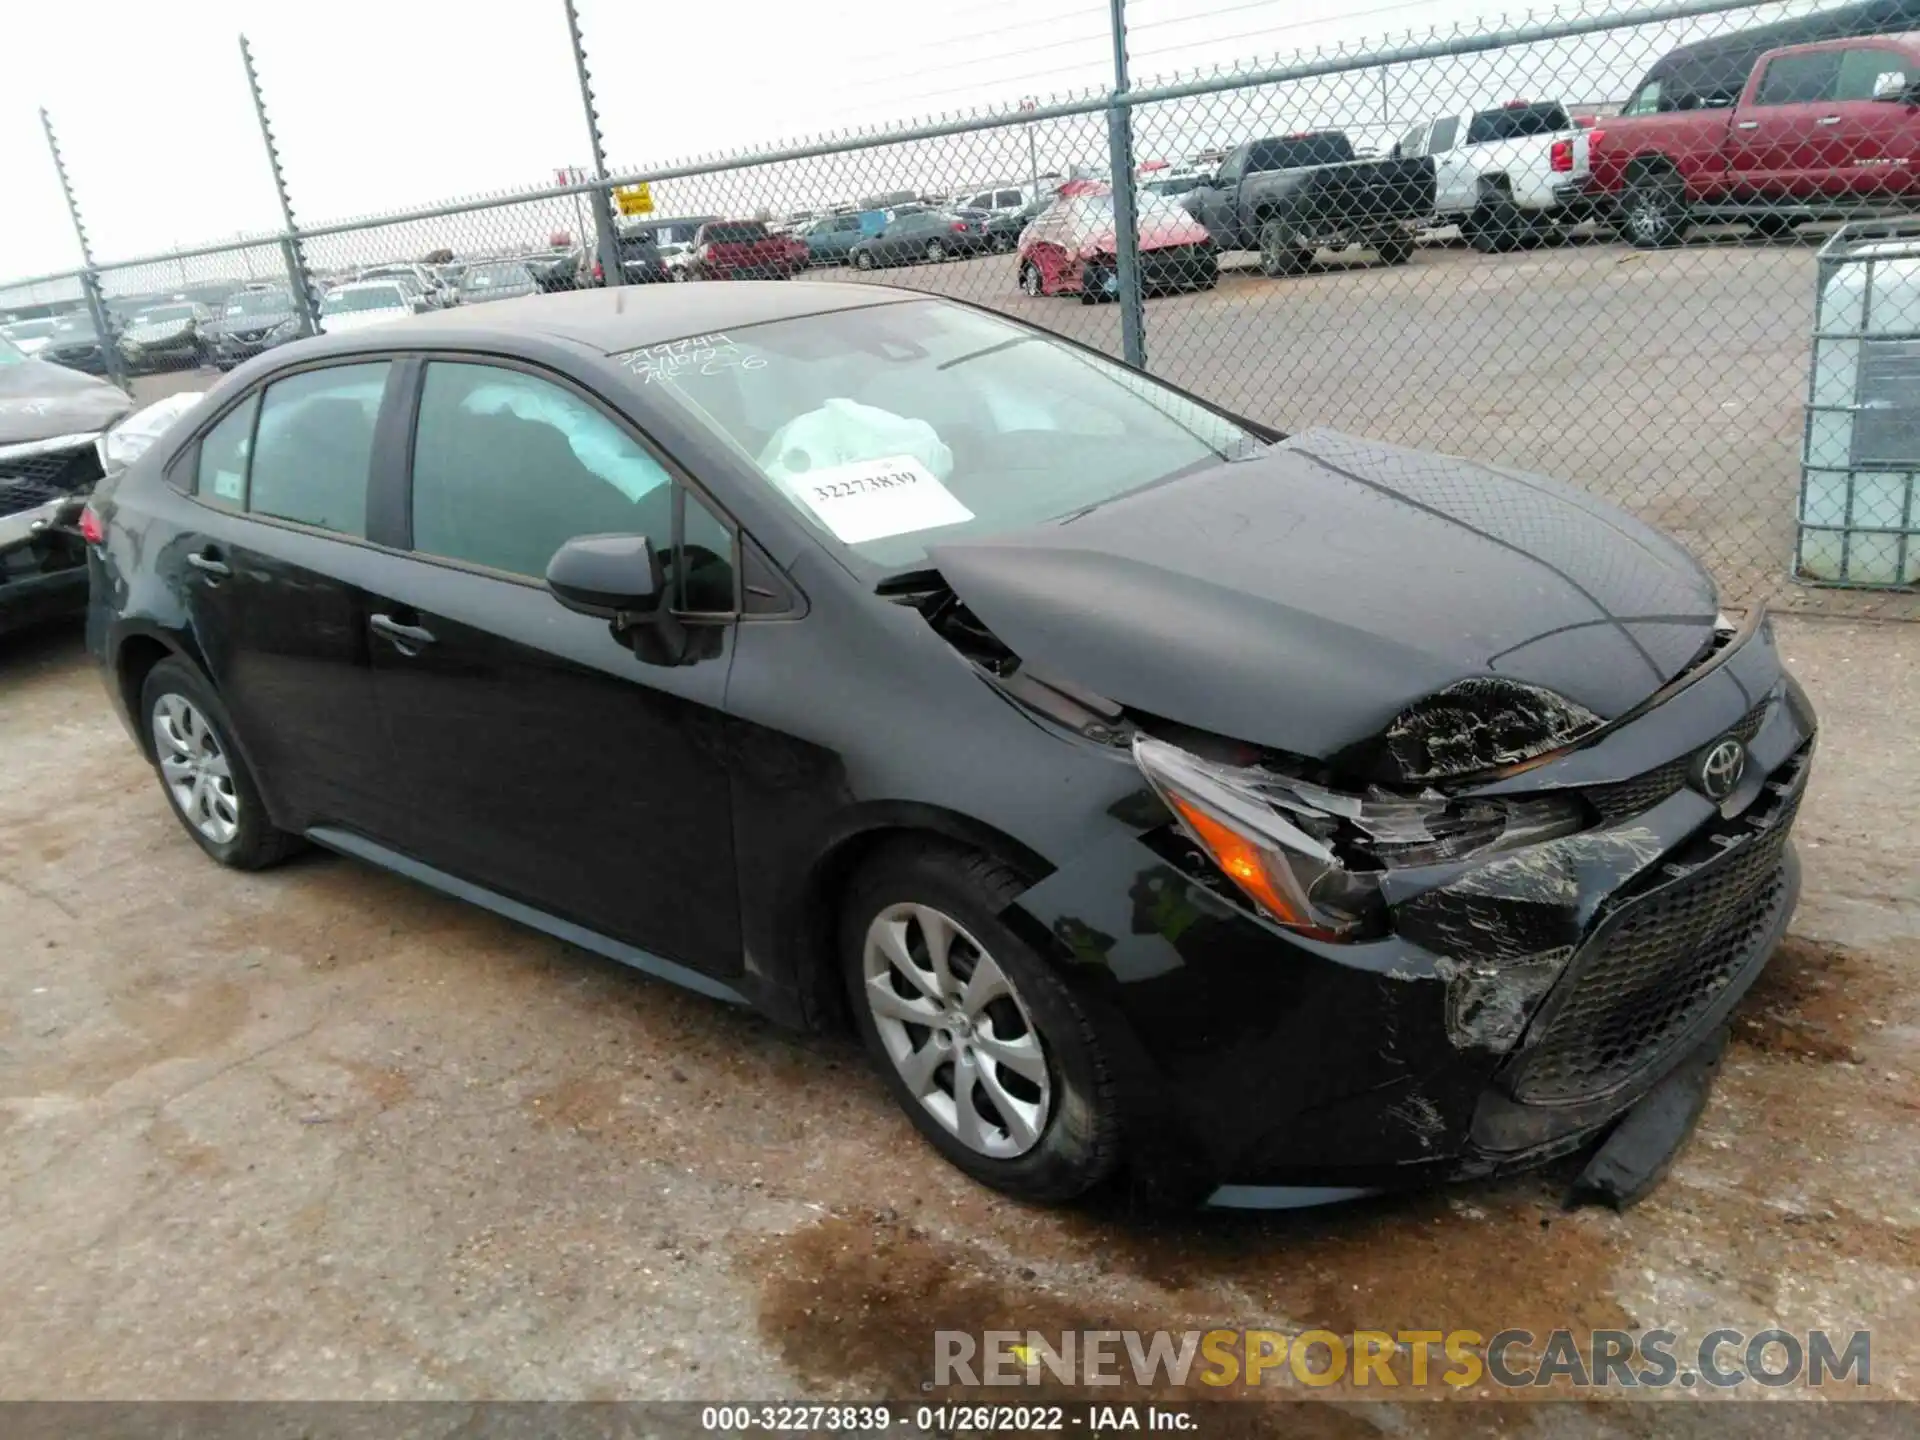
(507, 467)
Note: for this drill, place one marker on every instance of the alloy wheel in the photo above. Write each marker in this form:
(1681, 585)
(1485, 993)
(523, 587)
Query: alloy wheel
(957, 1030)
(194, 768)
(1030, 278)
(936, 251)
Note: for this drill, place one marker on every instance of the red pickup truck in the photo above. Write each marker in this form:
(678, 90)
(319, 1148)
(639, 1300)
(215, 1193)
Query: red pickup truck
(1817, 132)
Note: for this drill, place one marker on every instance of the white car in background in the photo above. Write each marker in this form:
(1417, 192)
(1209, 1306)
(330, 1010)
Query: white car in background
(364, 303)
(1510, 176)
(29, 337)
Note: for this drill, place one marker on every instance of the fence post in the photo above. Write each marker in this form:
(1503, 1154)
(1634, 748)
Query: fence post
(605, 243)
(1126, 225)
(297, 276)
(89, 277)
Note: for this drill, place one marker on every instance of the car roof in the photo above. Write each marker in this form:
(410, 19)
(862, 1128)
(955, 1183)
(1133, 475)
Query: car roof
(1847, 22)
(628, 317)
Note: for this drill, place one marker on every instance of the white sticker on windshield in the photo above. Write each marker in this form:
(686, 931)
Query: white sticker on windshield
(872, 499)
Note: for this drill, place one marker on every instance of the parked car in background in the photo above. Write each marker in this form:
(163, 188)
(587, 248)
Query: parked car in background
(671, 237)
(1069, 248)
(366, 302)
(166, 337)
(831, 238)
(1823, 131)
(1003, 229)
(488, 280)
(744, 250)
(1164, 799)
(1290, 195)
(908, 239)
(420, 280)
(997, 200)
(75, 344)
(251, 322)
(51, 419)
(1508, 177)
(29, 337)
(1175, 183)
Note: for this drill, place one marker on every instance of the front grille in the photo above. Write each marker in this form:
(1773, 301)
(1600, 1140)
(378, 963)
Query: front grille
(1643, 792)
(1658, 961)
(31, 480)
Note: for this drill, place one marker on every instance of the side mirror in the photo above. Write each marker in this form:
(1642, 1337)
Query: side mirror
(611, 577)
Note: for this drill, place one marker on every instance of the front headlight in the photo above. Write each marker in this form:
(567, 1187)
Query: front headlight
(134, 433)
(1312, 857)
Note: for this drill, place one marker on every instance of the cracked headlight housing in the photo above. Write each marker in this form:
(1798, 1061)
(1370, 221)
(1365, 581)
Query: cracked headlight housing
(1311, 857)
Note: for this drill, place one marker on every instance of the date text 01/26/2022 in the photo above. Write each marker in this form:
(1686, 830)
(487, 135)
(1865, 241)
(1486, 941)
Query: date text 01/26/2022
(944, 1419)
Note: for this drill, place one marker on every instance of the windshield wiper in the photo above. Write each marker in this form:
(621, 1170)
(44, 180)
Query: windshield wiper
(990, 350)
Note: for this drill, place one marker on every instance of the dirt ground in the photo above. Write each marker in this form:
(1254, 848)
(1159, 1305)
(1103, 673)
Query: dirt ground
(320, 1133)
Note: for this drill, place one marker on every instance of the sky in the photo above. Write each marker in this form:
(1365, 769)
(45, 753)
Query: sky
(387, 104)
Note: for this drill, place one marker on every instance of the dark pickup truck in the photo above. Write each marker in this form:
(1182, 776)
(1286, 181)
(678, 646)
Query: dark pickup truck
(1290, 195)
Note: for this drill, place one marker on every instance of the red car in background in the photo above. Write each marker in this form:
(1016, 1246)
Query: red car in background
(745, 250)
(1819, 131)
(1069, 248)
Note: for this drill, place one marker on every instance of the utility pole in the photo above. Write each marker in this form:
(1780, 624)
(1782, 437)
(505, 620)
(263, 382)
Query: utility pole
(296, 260)
(1032, 102)
(1126, 224)
(89, 277)
(607, 245)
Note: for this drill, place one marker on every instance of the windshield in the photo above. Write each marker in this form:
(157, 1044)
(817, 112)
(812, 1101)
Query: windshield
(495, 277)
(1516, 122)
(895, 427)
(259, 302)
(372, 297)
(73, 327)
(164, 315)
(27, 329)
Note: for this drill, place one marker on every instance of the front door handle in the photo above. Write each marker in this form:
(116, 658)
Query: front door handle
(1828, 120)
(208, 562)
(1747, 125)
(409, 638)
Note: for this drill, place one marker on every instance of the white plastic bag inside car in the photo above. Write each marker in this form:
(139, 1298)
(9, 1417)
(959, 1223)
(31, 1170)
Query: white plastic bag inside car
(134, 436)
(843, 432)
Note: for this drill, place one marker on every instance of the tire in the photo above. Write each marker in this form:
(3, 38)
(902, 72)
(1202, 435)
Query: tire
(1093, 283)
(1074, 1140)
(1494, 226)
(863, 260)
(1394, 249)
(1279, 255)
(1032, 282)
(936, 252)
(173, 691)
(1773, 227)
(1653, 211)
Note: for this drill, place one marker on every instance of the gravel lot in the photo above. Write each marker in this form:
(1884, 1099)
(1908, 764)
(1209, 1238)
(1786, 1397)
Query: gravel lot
(321, 1133)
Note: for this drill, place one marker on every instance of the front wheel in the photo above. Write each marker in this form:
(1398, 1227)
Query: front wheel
(863, 259)
(212, 792)
(979, 1040)
(1654, 211)
(1031, 281)
(936, 252)
(1394, 249)
(1280, 254)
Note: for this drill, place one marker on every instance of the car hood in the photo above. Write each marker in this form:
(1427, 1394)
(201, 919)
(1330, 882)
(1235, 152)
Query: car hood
(39, 400)
(163, 331)
(1313, 595)
(360, 319)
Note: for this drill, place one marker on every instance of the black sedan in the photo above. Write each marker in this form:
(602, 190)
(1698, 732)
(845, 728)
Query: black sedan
(923, 235)
(167, 337)
(249, 323)
(1267, 819)
(75, 343)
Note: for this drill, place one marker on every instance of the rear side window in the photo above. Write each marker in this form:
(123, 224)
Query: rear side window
(315, 447)
(1800, 79)
(1444, 130)
(221, 476)
(1516, 122)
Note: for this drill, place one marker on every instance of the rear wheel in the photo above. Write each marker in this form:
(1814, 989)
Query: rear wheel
(1494, 226)
(1394, 249)
(1772, 227)
(1280, 251)
(936, 252)
(863, 259)
(209, 786)
(1654, 210)
(982, 1044)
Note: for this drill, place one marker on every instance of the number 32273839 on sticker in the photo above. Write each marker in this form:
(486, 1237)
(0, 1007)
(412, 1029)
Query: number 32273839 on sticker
(871, 499)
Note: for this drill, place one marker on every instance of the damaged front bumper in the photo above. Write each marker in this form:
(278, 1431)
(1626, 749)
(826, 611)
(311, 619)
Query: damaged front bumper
(43, 484)
(1520, 1004)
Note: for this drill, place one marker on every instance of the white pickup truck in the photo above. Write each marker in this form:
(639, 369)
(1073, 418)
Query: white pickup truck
(1508, 177)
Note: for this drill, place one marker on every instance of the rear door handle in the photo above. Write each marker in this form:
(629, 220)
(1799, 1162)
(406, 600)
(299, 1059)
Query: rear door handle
(208, 562)
(1747, 125)
(408, 637)
(1829, 120)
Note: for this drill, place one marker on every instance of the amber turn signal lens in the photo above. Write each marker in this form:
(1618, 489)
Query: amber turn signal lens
(1242, 861)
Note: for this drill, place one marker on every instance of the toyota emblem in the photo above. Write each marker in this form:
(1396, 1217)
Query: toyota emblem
(1719, 768)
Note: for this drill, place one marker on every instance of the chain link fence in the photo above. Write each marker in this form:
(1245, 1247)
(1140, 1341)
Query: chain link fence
(1594, 245)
